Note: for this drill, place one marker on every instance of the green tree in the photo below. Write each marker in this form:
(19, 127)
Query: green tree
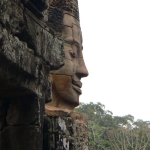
(108, 132)
(98, 121)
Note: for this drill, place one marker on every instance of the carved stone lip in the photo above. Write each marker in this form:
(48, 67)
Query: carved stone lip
(77, 83)
(76, 86)
(77, 89)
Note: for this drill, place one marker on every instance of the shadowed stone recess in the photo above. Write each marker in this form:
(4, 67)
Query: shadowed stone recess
(21, 123)
(21, 138)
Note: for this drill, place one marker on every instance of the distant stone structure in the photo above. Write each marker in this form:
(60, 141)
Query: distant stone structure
(41, 62)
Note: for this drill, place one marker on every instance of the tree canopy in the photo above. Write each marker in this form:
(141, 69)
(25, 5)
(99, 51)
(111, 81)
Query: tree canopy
(108, 132)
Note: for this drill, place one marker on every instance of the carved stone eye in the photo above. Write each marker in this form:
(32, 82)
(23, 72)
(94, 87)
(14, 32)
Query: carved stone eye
(72, 54)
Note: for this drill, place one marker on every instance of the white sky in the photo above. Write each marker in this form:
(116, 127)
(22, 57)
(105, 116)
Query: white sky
(116, 41)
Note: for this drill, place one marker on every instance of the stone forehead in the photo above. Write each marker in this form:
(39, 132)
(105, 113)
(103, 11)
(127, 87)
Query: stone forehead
(69, 20)
(70, 6)
(71, 30)
(72, 35)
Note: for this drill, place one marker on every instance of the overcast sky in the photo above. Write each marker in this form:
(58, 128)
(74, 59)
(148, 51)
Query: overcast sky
(116, 41)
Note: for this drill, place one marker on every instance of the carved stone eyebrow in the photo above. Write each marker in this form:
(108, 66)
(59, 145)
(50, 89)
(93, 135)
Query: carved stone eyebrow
(69, 40)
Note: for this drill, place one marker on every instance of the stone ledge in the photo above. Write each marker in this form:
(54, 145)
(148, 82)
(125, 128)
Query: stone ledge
(55, 111)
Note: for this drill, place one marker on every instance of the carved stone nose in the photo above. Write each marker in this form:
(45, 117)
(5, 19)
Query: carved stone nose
(81, 70)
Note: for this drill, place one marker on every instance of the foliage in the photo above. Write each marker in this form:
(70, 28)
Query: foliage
(108, 132)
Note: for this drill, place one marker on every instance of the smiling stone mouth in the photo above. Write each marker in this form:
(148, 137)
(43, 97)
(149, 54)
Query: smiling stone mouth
(77, 83)
(77, 86)
(77, 89)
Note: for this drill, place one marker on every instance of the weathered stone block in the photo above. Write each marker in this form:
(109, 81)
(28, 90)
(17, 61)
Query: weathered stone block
(28, 50)
(65, 130)
(22, 23)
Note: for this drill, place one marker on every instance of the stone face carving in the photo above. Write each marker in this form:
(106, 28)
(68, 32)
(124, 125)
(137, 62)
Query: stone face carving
(65, 82)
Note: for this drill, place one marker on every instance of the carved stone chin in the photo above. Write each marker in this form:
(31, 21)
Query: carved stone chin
(65, 82)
